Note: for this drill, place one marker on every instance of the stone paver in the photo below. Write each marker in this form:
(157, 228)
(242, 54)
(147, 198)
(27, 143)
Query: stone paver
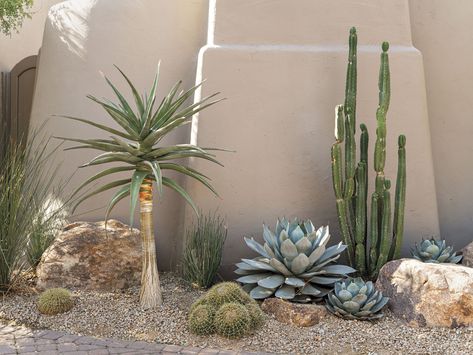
(17, 340)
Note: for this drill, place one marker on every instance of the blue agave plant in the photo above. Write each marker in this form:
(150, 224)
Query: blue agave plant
(293, 264)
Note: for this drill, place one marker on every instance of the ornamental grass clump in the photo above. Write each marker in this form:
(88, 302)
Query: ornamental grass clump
(226, 309)
(203, 250)
(435, 251)
(136, 148)
(28, 180)
(55, 301)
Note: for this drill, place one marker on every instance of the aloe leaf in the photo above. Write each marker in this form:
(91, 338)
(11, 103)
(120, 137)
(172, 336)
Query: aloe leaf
(191, 173)
(106, 187)
(173, 185)
(136, 181)
(102, 174)
(99, 126)
(158, 175)
(136, 95)
(119, 195)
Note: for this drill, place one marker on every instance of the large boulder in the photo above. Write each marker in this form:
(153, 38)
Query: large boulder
(301, 315)
(427, 294)
(86, 256)
(467, 253)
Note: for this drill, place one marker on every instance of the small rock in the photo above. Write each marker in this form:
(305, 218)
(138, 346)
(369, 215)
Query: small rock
(301, 315)
(427, 294)
(467, 252)
(87, 256)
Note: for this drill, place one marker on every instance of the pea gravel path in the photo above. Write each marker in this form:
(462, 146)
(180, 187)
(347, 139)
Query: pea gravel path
(24, 341)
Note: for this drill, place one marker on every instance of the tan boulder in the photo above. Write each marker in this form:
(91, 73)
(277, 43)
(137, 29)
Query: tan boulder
(86, 256)
(301, 315)
(428, 294)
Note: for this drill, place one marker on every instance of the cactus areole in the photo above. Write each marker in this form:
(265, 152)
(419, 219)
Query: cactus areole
(375, 240)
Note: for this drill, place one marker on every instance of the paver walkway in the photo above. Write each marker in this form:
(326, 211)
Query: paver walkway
(24, 341)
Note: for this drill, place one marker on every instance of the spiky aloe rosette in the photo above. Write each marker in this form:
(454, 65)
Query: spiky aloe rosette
(435, 251)
(294, 263)
(355, 299)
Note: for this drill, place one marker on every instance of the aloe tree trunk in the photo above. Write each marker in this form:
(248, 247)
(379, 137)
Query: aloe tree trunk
(150, 293)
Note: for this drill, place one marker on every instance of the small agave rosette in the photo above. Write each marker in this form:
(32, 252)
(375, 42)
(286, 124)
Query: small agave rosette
(435, 251)
(294, 263)
(356, 299)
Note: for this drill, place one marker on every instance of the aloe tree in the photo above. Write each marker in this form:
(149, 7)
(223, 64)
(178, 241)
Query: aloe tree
(135, 148)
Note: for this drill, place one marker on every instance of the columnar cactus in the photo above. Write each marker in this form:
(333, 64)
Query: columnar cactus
(368, 248)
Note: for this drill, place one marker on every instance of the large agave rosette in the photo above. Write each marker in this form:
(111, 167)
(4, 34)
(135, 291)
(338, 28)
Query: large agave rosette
(294, 263)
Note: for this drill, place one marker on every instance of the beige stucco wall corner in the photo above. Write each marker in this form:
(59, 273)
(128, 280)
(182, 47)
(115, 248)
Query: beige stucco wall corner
(442, 31)
(282, 68)
(84, 38)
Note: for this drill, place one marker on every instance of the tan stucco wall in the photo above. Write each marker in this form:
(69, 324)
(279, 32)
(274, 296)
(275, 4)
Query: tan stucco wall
(282, 69)
(442, 30)
(83, 38)
(282, 90)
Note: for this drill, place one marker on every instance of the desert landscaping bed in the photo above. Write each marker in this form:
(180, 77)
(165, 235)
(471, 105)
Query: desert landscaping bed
(118, 315)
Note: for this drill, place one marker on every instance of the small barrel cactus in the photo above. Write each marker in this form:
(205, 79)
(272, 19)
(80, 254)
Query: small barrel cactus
(232, 320)
(226, 292)
(226, 309)
(355, 299)
(201, 320)
(435, 251)
(55, 301)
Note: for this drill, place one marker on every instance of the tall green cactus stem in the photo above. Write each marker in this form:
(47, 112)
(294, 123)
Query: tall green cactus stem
(368, 248)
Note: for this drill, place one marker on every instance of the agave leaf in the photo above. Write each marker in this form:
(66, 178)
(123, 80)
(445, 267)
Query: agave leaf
(380, 304)
(247, 267)
(316, 254)
(310, 290)
(283, 236)
(269, 237)
(252, 244)
(259, 265)
(334, 300)
(288, 249)
(309, 227)
(360, 299)
(304, 245)
(294, 281)
(339, 269)
(286, 292)
(344, 295)
(299, 264)
(279, 266)
(259, 292)
(272, 281)
(269, 251)
(321, 280)
(136, 181)
(253, 279)
(455, 259)
(296, 234)
(332, 251)
(248, 287)
(243, 272)
(351, 306)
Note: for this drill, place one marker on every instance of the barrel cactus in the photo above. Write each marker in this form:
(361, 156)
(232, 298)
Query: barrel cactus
(201, 320)
(232, 320)
(435, 251)
(227, 310)
(55, 301)
(355, 299)
(294, 264)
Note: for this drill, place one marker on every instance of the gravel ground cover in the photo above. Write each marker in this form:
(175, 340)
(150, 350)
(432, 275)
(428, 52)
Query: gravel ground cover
(118, 315)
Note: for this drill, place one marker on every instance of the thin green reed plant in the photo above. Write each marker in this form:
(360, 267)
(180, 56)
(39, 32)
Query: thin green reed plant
(27, 182)
(203, 250)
